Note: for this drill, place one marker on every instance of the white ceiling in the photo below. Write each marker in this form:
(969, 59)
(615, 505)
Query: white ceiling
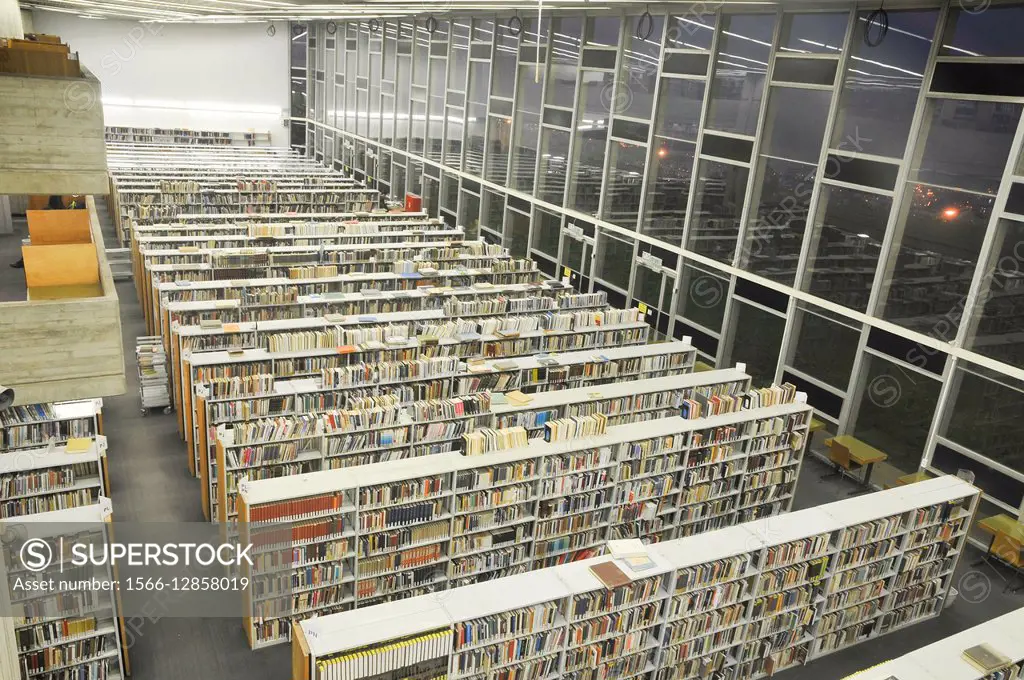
(209, 11)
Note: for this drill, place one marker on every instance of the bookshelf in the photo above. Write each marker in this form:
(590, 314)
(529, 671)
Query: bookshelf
(64, 634)
(943, 660)
(34, 425)
(463, 519)
(701, 610)
(326, 279)
(46, 479)
(252, 372)
(376, 429)
(176, 136)
(434, 378)
(406, 258)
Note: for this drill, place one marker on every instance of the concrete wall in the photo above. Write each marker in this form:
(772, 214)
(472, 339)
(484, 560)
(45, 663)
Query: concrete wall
(231, 77)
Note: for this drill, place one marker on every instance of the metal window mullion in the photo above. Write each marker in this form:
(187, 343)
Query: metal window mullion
(755, 178)
(900, 202)
(691, 194)
(540, 114)
(653, 119)
(510, 161)
(974, 303)
(570, 162)
(603, 194)
(830, 123)
(728, 332)
(951, 381)
(851, 406)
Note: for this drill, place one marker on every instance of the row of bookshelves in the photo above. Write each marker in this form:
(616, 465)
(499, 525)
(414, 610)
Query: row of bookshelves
(543, 504)
(222, 401)
(746, 601)
(366, 430)
(993, 650)
(73, 474)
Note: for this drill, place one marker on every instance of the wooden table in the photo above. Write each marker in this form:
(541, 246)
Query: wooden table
(862, 454)
(912, 478)
(1002, 525)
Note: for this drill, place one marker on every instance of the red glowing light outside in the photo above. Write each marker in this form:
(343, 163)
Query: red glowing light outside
(950, 213)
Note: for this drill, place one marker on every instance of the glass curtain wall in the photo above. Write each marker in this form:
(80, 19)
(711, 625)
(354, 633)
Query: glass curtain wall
(784, 187)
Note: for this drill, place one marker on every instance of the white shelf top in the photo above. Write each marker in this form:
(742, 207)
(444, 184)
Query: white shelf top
(500, 595)
(867, 508)
(62, 522)
(544, 400)
(273, 250)
(793, 526)
(578, 578)
(67, 410)
(23, 460)
(719, 544)
(350, 630)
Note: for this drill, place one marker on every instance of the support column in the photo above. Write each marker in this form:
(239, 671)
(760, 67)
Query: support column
(6, 221)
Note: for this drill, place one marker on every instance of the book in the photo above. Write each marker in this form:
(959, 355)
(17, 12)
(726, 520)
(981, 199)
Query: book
(517, 398)
(78, 444)
(610, 575)
(985, 658)
(627, 547)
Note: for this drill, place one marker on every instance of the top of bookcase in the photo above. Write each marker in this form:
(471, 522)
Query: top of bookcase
(380, 623)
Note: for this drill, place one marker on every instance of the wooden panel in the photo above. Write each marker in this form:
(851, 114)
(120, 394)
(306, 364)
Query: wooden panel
(52, 138)
(57, 227)
(300, 654)
(64, 349)
(73, 264)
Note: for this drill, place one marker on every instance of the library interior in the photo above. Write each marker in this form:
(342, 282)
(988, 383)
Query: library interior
(343, 340)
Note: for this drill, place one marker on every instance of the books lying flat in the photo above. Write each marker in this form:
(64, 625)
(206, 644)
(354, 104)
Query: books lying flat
(517, 398)
(985, 658)
(610, 575)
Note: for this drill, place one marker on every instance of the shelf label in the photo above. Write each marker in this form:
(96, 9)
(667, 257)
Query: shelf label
(642, 307)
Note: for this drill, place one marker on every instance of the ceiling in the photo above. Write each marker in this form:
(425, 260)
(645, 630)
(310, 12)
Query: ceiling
(233, 11)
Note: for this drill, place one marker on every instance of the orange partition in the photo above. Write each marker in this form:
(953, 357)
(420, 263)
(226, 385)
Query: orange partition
(74, 264)
(58, 227)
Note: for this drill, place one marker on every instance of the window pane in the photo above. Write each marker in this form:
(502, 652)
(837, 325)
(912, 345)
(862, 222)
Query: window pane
(986, 418)
(667, 196)
(824, 348)
(814, 32)
(879, 95)
(476, 116)
(757, 338)
(456, 118)
(402, 103)
(469, 215)
(702, 297)
(435, 128)
(939, 248)
(527, 128)
(506, 52)
(716, 212)
(450, 192)
(998, 333)
(554, 153)
(591, 138)
(459, 55)
(966, 144)
(740, 67)
(615, 260)
(625, 180)
(647, 288)
(565, 53)
(795, 126)
(679, 106)
(639, 71)
(981, 29)
(776, 232)
(398, 182)
(896, 412)
(517, 233)
(690, 30)
(499, 130)
(546, 227)
(846, 243)
(494, 211)
(603, 31)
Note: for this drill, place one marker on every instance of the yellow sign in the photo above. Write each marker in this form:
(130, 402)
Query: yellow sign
(566, 271)
(643, 308)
